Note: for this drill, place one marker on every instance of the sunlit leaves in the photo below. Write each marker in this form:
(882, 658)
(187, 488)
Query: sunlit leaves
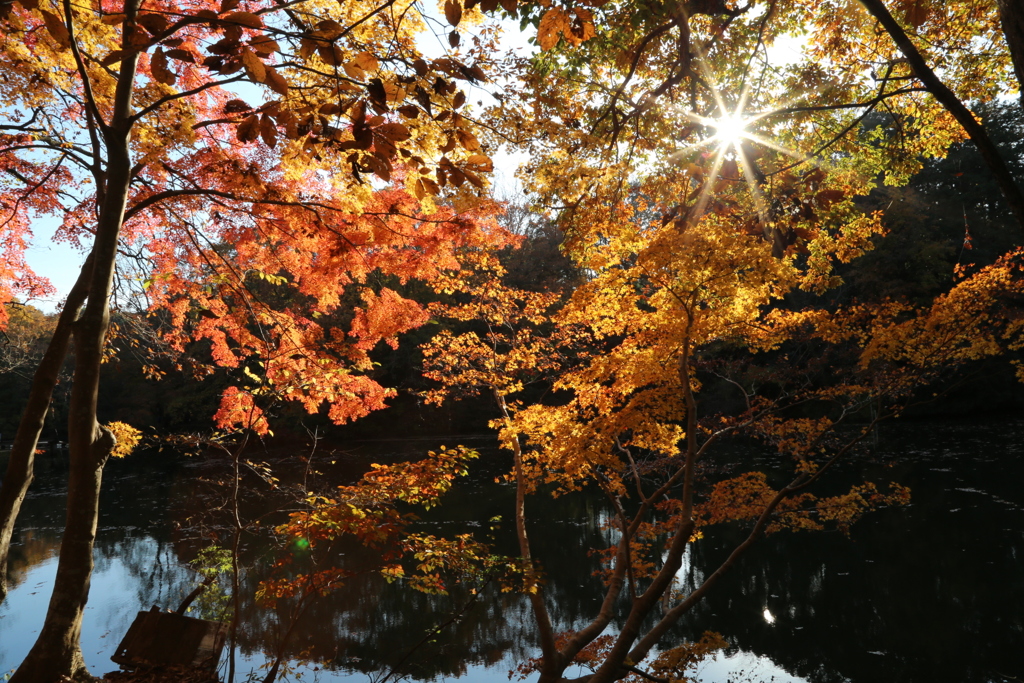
(264, 224)
(126, 438)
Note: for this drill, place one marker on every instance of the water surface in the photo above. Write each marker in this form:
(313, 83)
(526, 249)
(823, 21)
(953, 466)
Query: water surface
(930, 592)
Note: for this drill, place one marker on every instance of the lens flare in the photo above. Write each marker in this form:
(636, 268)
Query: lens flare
(730, 129)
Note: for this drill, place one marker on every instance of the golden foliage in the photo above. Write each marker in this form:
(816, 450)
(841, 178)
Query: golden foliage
(126, 438)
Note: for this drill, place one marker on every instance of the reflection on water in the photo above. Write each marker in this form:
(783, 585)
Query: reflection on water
(926, 593)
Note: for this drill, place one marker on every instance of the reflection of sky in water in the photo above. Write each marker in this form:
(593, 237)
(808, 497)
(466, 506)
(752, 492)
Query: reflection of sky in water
(118, 593)
(743, 667)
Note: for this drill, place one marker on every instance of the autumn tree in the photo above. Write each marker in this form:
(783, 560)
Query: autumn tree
(614, 90)
(348, 153)
(670, 310)
(707, 189)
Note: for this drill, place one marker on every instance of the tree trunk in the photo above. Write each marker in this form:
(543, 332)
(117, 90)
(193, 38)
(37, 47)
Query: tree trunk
(1011, 14)
(21, 466)
(552, 664)
(948, 99)
(56, 654)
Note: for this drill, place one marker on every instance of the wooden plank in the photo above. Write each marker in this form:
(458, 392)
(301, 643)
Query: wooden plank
(168, 639)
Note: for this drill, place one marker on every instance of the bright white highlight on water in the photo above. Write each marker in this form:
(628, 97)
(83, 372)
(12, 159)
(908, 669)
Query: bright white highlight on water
(768, 616)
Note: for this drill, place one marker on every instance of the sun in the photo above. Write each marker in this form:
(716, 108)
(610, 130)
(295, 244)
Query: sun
(730, 129)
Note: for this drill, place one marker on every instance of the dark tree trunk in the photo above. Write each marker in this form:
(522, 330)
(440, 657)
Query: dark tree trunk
(21, 466)
(56, 655)
(1011, 14)
(948, 99)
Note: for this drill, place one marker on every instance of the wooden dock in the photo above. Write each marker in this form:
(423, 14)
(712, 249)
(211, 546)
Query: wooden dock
(168, 639)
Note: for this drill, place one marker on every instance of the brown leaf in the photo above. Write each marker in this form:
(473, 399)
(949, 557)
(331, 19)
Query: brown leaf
(827, 198)
(307, 47)
(249, 129)
(378, 95)
(254, 66)
(113, 19)
(409, 111)
(456, 176)
(158, 67)
(363, 136)
(384, 148)
(453, 12)
(181, 55)
(353, 71)
(366, 61)
(729, 170)
(379, 166)
(430, 186)
(331, 54)
(275, 81)
(154, 23)
(582, 27)
(245, 19)
(510, 6)
(236, 106)
(357, 113)
(113, 58)
(553, 24)
(454, 39)
(468, 140)
(56, 28)
(473, 178)
(917, 13)
(138, 39)
(264, 46)
(480, 162)
(225, 46)
(268, 131)
(460, 99)
(228, 5)
(329, 29)
(395, 132)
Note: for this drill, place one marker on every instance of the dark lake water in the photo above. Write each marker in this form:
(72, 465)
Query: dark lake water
(929, 592)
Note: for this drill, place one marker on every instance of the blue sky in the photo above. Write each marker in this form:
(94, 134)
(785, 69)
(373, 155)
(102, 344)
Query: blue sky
(57, 261)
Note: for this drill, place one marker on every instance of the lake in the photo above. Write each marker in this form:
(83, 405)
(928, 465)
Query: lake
(933, 591)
